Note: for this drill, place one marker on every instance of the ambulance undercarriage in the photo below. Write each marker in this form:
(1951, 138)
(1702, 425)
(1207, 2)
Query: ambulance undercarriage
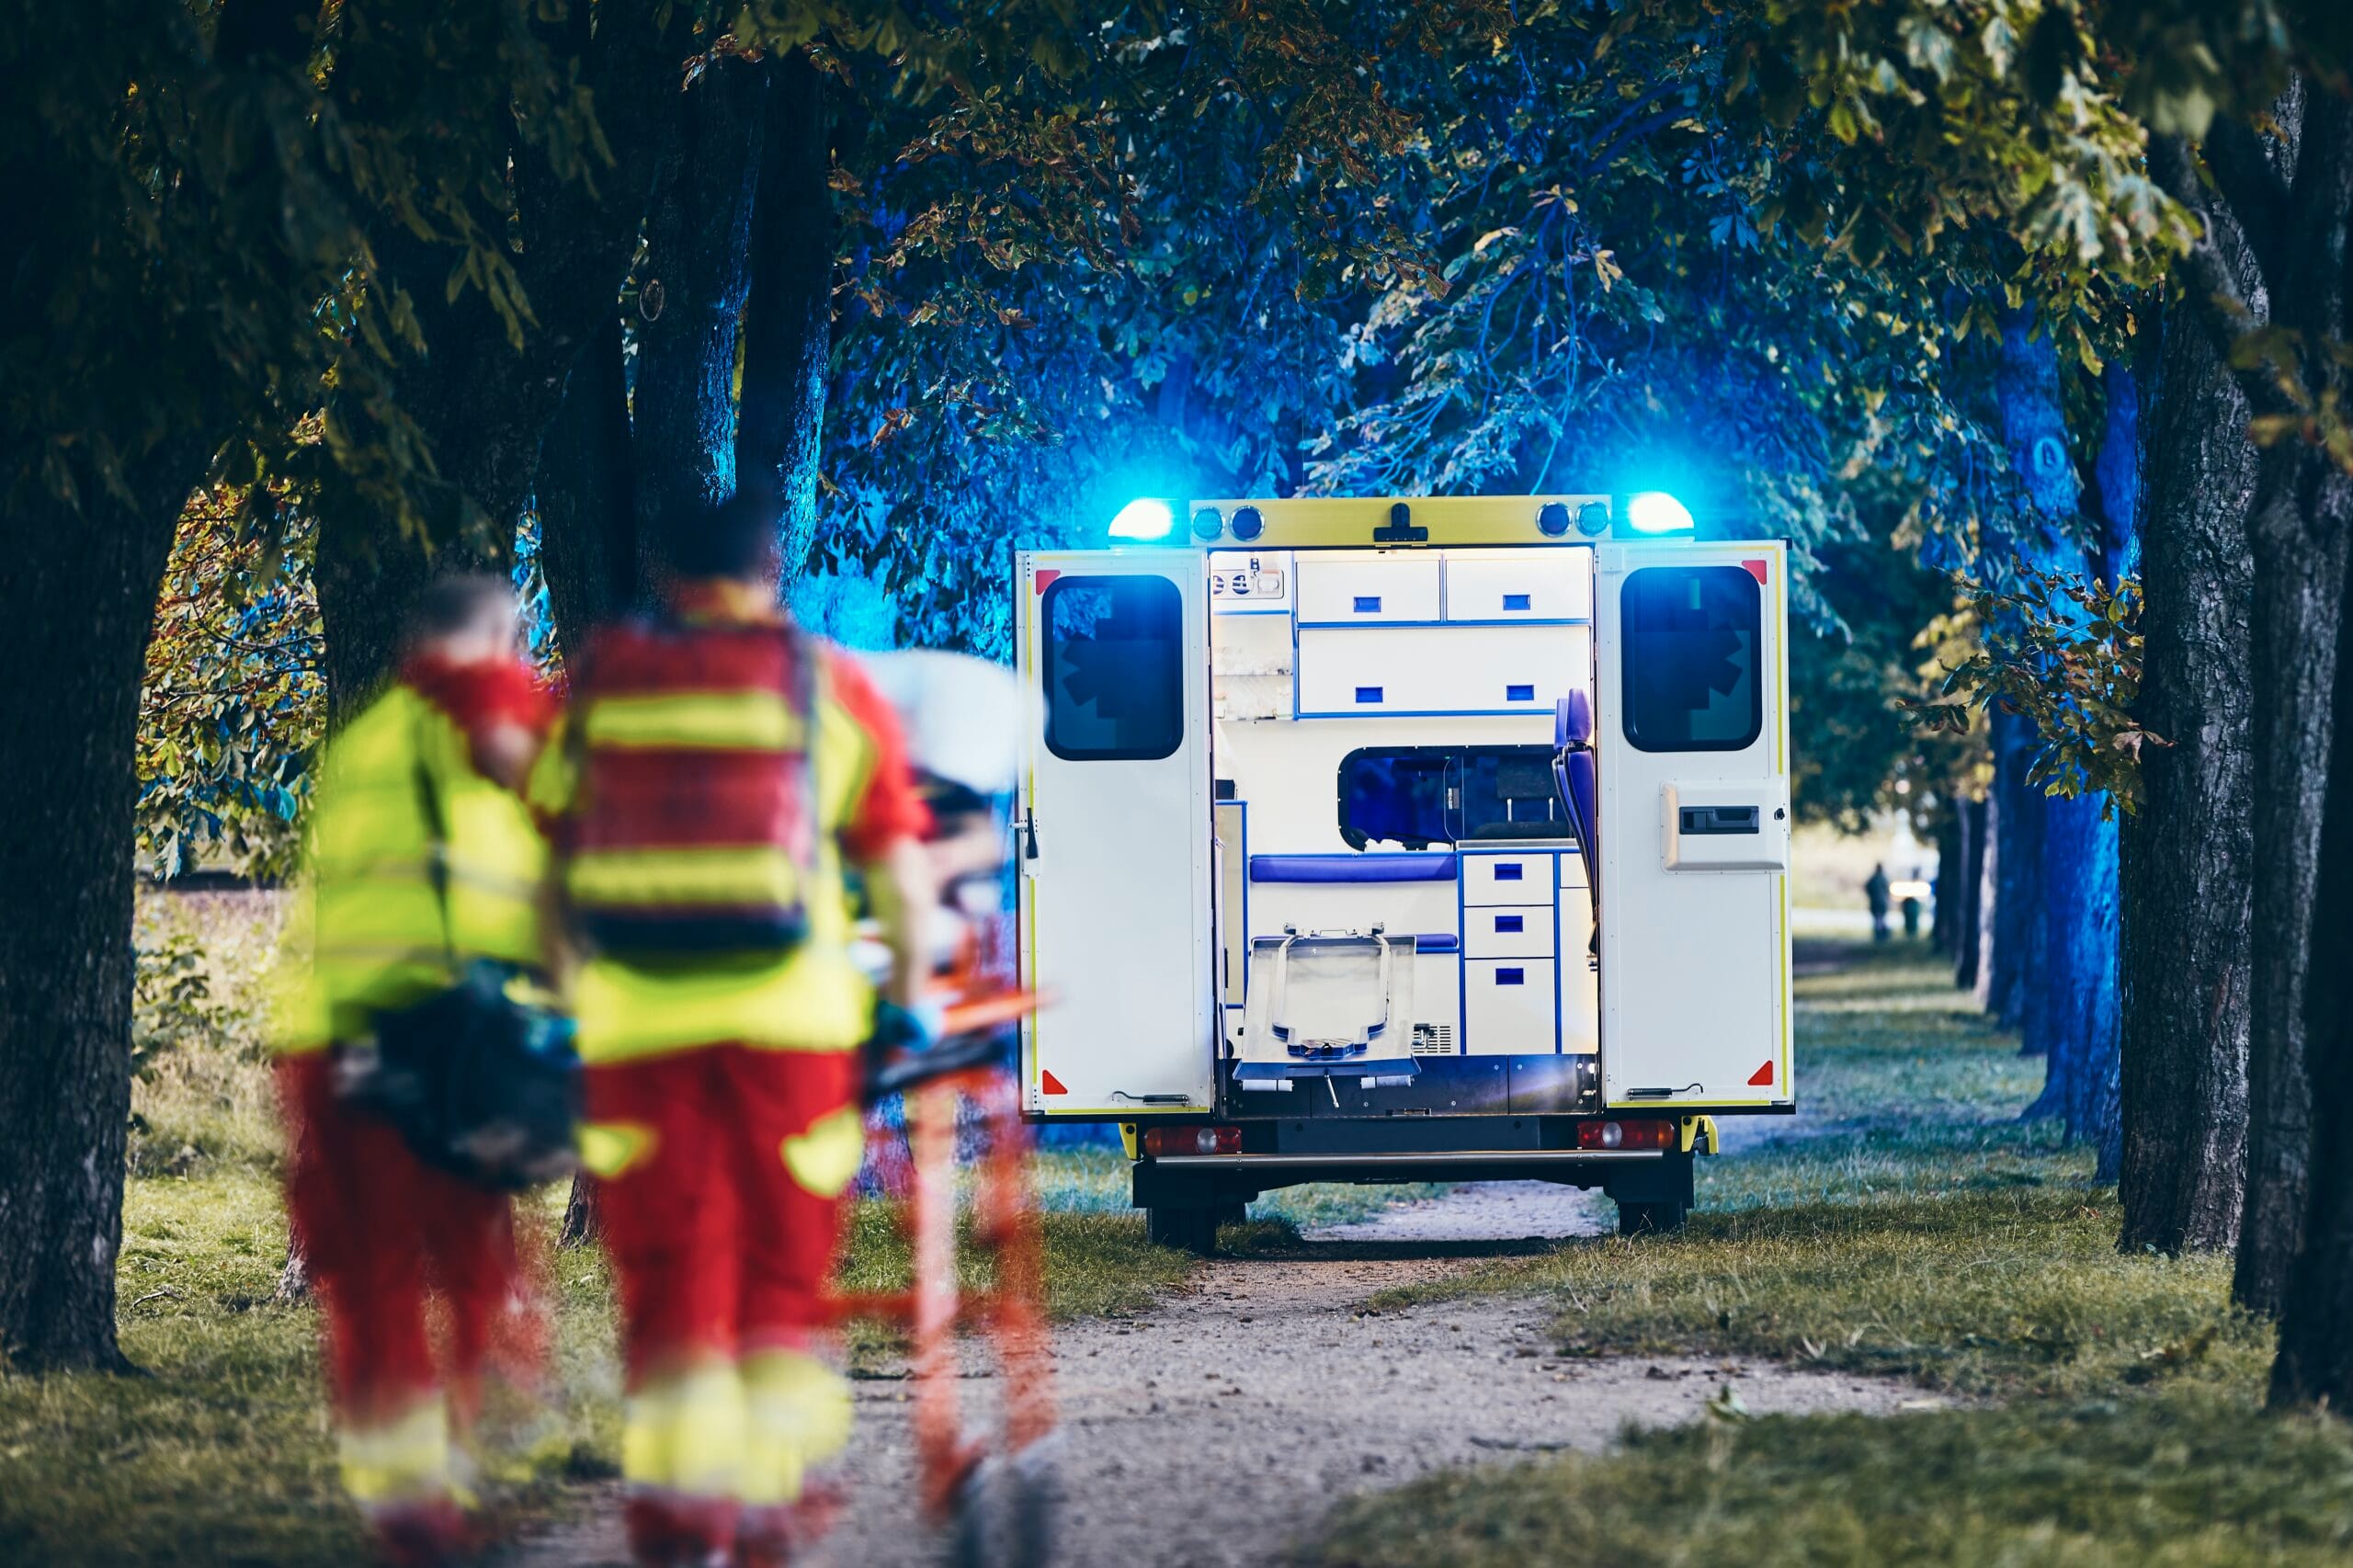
(1377, 841)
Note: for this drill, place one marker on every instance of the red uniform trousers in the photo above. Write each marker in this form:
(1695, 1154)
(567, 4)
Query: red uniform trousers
(379, 1229)
(722, 1222)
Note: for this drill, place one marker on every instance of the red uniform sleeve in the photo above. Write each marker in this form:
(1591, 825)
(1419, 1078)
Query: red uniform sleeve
(889, 810)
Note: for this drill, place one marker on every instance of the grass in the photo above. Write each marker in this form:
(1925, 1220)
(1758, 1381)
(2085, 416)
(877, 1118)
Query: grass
(1911, 1226)
(221, 1452)
(2168, 1481)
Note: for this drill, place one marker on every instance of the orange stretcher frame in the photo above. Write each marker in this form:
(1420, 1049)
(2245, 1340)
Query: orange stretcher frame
(1012, 1313)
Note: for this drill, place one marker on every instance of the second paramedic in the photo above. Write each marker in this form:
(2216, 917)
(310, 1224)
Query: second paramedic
(719, 772)
(423, 858)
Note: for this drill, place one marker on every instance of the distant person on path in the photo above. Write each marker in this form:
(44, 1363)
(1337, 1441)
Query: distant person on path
(423, 858)
(1910, 905)
(718, 771)
(1875, 892)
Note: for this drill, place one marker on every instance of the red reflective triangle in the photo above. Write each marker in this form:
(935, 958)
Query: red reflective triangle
(1759, 570)
(1044, 576)
(1050, 1084)
(1763, 1077)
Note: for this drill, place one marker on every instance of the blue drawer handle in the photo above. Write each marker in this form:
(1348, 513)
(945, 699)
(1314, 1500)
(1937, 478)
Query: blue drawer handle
(1511, 977)
(1515, 601)
(1367, 604)
(1368, 694)
(1508, 924)
(1519, 694)
(1508, 871)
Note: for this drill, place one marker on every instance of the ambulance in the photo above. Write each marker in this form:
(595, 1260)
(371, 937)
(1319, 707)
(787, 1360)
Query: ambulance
(1405, 840)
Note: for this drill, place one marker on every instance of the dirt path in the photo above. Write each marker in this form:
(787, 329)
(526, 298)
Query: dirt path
(1218, 1426)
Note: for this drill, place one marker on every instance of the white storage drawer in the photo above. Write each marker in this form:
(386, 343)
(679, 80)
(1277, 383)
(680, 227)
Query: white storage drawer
(1553, 583)
(1508, 931)
(1507, 1007)
(1348, 671)
(1360, 586)
(1507, 879)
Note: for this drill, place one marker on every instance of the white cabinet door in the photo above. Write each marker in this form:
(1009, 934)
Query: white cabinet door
(1114, 833)
(1545, 584)
(1509, 1007)
(1396, 671)
(1498, 931)
(1364, 588)
(1692, 703)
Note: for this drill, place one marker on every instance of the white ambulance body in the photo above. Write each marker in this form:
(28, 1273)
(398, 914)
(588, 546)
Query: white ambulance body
(1330, 801)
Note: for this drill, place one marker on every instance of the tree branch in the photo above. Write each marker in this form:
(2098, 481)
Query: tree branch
(2222, 303)
(2260, 198)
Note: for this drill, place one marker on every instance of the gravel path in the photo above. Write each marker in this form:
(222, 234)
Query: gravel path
(1217, 1428)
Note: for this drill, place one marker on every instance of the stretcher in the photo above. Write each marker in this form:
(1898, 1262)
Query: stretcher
(987, 1484)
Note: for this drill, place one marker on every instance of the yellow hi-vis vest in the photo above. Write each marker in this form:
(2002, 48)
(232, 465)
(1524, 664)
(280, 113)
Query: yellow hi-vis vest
(812, 998)
(381, 935)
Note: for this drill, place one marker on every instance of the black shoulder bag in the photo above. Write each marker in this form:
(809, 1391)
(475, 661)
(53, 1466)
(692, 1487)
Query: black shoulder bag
(481, 1078)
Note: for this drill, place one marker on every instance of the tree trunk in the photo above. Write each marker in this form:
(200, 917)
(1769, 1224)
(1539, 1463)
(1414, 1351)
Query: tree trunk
(77, 606)
(2297, 534)
(2188, 852)
(2315, 1360)
(368, 574)
(1944, 919)
(1989, 879)
(2039, 879)
(2095, 1110)
(691, 286)
(589, 550)
(2068, 1011)
(788, 324)
(583, 1225)
(1966, 877)
(2015, 872)
(2277, 207)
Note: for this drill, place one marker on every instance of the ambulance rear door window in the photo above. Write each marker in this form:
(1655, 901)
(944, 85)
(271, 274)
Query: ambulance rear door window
(1689, 658)
(1114, 663)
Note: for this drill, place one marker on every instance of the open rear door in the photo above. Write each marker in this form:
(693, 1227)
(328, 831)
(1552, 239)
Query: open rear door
(1113, 832)
(1693, 751)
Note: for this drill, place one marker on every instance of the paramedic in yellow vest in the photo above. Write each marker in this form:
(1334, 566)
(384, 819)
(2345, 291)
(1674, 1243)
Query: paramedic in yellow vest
(423, 858)
(718, 772)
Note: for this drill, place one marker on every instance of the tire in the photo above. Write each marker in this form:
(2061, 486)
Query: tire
(1192, 1228)
(1650, 1218)
(1004, 1518)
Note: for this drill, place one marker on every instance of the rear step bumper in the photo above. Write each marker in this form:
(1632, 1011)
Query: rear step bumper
(1429, 1158)
(1632, 1176)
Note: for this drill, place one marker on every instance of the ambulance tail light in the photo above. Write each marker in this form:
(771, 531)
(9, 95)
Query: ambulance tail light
(1629, 1134)
(1160, 1140)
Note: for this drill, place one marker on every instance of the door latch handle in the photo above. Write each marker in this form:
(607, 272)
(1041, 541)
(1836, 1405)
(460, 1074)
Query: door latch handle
(1030, 833)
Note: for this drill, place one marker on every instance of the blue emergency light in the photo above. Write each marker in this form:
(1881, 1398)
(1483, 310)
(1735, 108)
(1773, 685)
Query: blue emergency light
(1146, 518)
(1656, 512)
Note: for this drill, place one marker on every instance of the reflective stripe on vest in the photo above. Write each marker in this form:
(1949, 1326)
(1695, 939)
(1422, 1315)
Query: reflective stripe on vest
(717, 720)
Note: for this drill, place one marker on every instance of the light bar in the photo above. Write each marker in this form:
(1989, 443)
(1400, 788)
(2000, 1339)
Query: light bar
(1144, 518)
(1656, 512)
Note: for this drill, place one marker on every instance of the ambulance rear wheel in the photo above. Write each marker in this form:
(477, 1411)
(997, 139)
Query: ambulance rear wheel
(1650, 1218)
(1191, 1228)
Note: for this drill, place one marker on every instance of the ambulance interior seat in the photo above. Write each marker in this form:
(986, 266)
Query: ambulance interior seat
(1572, 772)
